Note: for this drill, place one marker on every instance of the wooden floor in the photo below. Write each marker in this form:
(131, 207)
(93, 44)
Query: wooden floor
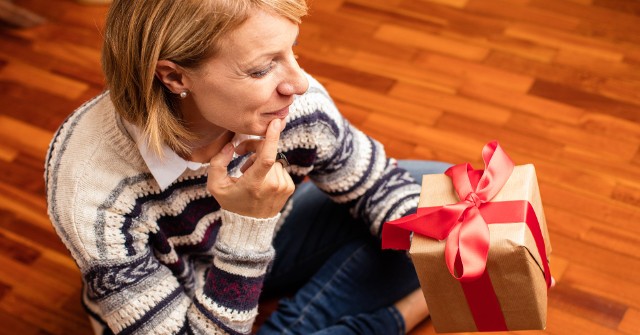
(557, 82)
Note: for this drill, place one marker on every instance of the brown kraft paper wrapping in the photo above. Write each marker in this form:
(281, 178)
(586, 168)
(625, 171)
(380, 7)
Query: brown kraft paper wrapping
(514, 264)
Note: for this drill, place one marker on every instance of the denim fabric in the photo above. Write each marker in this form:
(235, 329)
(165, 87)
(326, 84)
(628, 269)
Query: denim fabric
(337, 278)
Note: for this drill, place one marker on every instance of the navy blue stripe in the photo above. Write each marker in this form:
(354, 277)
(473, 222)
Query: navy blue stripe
(236, 162)
(394, 176)
(317, 117)
(365, 175)
(103, 281)
(303, 157)
(137, 208)
(213, 319)
(207, 242)
(185, 222)
(393, 208)
(186, 328)
(97, 318)
(152, 312)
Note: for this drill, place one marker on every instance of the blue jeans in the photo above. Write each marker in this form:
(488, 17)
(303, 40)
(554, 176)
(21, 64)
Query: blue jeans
(337, 278)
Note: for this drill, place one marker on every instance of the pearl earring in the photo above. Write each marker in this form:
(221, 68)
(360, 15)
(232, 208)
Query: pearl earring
(183, 94)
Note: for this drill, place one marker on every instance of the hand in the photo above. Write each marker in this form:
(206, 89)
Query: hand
(265, 186)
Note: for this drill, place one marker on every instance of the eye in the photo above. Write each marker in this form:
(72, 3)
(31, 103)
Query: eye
(263, 72)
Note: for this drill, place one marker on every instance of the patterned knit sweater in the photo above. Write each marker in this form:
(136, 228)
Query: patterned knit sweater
(171, 261)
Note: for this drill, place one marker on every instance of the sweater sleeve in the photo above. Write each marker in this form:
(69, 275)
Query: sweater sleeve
(139, 295)
(351, 167)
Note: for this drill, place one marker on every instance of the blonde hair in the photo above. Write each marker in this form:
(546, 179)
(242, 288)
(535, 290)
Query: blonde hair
(138, 33)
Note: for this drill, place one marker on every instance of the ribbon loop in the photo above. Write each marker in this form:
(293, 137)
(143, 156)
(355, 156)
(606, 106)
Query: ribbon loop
(466, 230)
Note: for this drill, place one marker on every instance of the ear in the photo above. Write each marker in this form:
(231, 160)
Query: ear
(172, 76)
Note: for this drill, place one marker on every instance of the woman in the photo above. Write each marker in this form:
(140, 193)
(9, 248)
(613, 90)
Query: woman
(173, 189)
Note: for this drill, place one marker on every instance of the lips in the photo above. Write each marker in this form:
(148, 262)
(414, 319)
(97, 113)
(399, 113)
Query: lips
(281, 113)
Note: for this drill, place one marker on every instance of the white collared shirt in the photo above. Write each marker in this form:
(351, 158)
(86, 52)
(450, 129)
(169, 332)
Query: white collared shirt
(168, 169)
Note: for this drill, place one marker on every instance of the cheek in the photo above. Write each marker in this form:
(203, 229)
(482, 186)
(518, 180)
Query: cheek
(257, 97)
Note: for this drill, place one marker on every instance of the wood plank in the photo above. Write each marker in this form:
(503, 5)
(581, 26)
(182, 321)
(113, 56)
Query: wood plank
(614, 239)
(599, 283)
(451, 3)
(25, 74)
(12, 325)
(430, 42)
(612, 127)
(420, 134)
(7, 153)
(18, 16)
(600, 310)
(589, 101)
(406, 72)
(532, 147)
(451, 103)
(560, 321)
(458, 21)
(599, 208)
(585, 79)
(627, 7)
(374, 82)
(544, 108)
(561, 40)
(389, 106)
(507, 10)
(516, 47)
(474, 72)
(42, 239)
(627, 193)
(631, 322)
(43, 316)
(607, 147)
(396, 8)
(25, 206)
(24, 137)
(591, 14)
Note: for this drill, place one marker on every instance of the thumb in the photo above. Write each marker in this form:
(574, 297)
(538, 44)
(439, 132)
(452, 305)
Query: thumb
(219, 163)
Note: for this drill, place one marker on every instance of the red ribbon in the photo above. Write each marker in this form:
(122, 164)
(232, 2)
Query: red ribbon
(465, 226)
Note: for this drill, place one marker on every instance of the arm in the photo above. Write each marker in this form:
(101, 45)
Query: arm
(137, 294)
(349, 166)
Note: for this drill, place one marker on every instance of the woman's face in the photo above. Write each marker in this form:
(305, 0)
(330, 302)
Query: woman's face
(250, 82)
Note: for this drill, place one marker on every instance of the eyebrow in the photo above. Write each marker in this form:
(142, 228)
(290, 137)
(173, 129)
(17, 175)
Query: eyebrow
(268, 54)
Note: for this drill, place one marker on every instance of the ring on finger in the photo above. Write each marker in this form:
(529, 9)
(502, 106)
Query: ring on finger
(282, 159)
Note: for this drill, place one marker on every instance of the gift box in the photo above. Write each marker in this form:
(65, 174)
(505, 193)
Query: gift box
(482, 261)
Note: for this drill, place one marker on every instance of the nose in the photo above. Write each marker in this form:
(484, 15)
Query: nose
(295, 81)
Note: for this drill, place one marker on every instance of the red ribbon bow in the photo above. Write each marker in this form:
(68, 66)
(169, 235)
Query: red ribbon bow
(461, 224)
(465, 226)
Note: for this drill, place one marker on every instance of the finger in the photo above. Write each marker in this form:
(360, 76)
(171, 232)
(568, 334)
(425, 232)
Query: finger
(247, 164)
(248, 146)
(286, 183)
(279, 173)
(218, 165)
(266, 154)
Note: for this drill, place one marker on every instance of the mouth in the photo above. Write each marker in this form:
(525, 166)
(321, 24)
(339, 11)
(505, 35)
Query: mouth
(280, 113)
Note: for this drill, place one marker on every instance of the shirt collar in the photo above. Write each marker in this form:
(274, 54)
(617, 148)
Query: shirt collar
(171, 166)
